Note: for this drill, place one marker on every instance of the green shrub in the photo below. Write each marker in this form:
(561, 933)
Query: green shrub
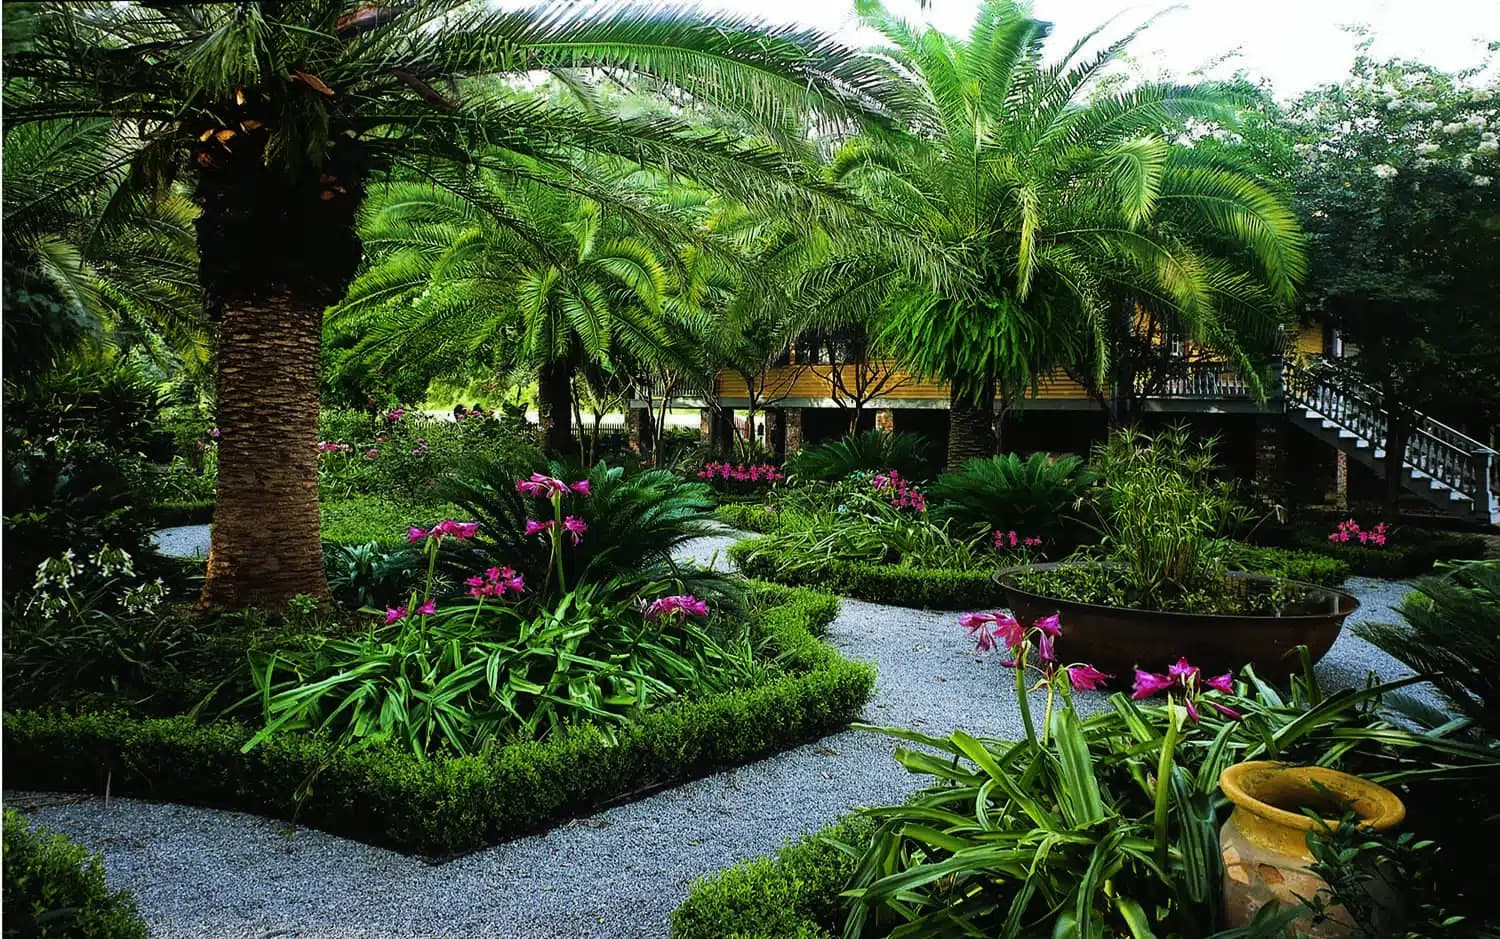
(1038, 496)
(188, 512)
(1409, 552)
(897, 585)
(1452, 635)
(55, 889)
(448, 804)
(364, 519)
(871, 452)
(793, 894)
(752, 516)
(1306, 566)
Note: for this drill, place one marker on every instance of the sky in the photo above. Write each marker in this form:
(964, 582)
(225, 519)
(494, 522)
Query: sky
(1295, 44)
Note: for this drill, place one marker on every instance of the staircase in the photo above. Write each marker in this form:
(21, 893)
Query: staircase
(1456, 473)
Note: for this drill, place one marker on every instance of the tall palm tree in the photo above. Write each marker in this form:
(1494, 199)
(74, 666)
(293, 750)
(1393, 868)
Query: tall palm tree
(1063, 197)
(553, 284)
(279, 112)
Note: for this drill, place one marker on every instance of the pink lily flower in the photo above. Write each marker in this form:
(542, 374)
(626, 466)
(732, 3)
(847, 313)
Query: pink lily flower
(414, 534)
(575, 528)
(1224, 683)
(534, 527)
(428, 608)
(1148, 684)
(1045, 651)
(581, 487)
(1087, 677)
(541, 487)
(395, 615)
(1051, 625)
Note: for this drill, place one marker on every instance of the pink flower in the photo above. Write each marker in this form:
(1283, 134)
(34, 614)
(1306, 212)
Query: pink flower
(534, 527)
(1049, 625)
(1087, 677)
(414, 534)
(428, 608)
(1045, 651)
(575, 528)
(541, 487)
(1228, 712)
(371, 453)
(1224, 683)
(1181, 672)
(213, 432)
(974, 621)
(395, 615)
(685, 604)
(1032, 542)
(581, 487)
(1148, 684)
(1009, 630)
(984, 641)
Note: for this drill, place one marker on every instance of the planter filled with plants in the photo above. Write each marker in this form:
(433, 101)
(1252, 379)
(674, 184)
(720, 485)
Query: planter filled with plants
(1163, 580)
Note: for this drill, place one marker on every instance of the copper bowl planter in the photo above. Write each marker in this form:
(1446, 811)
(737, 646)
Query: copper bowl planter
(1116, 639)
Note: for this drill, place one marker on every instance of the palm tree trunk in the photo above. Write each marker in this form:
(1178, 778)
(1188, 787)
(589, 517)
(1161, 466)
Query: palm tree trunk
(554, 404)
(265, 547)
(971, 425)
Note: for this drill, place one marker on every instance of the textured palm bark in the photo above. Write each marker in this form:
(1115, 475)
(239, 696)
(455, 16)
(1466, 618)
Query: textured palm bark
(554, 404)
(265, 545)
(971, 426)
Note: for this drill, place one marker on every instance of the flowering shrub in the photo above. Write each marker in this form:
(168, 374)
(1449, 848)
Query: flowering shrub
(1349, 531)
(739, 478)
(1010, 541)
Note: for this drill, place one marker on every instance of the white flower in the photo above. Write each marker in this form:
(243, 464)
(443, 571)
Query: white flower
(1453, 128)
(1384, 170)
(1424, 107)
(1481, 180)
(1476, 120)
(1393, 104)
(1427, 147)
(1488, 146)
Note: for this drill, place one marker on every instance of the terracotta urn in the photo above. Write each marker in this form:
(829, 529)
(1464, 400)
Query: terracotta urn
(1264, 842)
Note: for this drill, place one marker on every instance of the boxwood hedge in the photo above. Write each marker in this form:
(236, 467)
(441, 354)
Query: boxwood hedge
(55, 889)
(1410, 552)
(451, 804)
(923, 588)
(793, 895)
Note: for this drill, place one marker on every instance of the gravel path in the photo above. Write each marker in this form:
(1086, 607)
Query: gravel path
(183, 541)
(200, 872)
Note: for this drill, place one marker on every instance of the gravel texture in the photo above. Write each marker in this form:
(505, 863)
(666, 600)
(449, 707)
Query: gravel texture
(184, 541)
(200, 872)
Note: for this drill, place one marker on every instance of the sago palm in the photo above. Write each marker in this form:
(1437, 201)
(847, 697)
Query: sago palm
(547, 281)
(1065, 198)
(278, 113)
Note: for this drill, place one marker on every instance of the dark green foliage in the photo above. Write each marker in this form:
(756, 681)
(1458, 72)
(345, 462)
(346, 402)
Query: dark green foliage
(635, 522)
(193, 512)
(55, 889)
(1306, 566)
(69, 493)
(1408, 553)
(923, 588)
(749, 516)
(383, 796)
(107, 401)
(793, 895)
(1037, 496)
(1452, 636)
(872, 451)
(369, 574)
(364, 519)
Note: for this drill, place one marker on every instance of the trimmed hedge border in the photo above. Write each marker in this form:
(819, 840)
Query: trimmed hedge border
(792, 895)
(174, 514)
(55, 888)
(1411, 552)
(386, 797)
(948, 589)
(918, 587)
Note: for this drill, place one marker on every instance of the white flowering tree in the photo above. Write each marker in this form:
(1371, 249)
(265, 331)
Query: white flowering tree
(1396, 185)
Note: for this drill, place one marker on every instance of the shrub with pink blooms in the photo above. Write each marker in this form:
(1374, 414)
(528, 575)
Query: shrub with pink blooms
(740, 478)
(1349, 532)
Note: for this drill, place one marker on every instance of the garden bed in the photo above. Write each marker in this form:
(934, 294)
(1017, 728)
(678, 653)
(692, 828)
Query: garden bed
(892, 584)
(387, 797)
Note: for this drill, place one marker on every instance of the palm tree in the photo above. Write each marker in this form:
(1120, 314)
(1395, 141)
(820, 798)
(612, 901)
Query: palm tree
(91, 261)
(279, 113)
(1062, 197)
(552, 283)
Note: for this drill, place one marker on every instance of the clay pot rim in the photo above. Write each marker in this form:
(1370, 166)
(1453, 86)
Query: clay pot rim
(1005, 579)
(1389, 809)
